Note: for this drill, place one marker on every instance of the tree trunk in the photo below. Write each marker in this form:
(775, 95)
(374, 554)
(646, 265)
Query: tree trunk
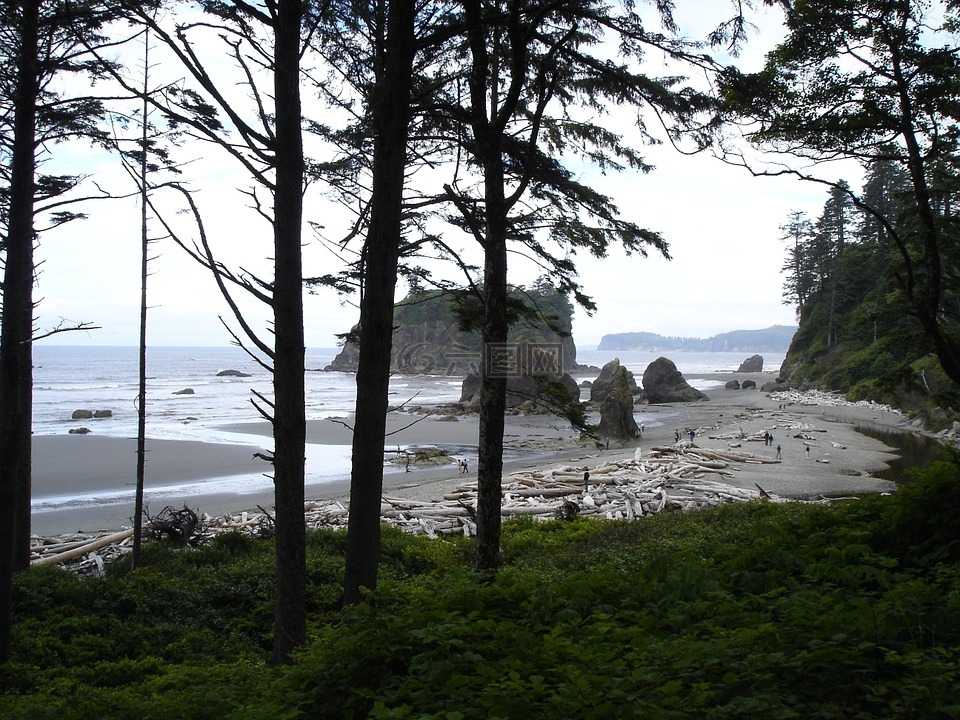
(391, 118)
(494, 359)
(289, 422)
(16, 328)
(493, 388)
(927, 307)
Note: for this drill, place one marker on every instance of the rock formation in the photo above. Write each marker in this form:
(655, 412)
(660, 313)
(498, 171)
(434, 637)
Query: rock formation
(233, 373)
(428, 339)
(612, 392)
(610, 377)
(663, 383)
(525, 394)
(732, 385)
(754, 363)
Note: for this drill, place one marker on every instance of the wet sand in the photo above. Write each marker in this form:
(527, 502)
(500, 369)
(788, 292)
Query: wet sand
(88, 464)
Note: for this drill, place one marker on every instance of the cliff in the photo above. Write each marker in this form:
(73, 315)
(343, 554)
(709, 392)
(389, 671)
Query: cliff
(429, 338)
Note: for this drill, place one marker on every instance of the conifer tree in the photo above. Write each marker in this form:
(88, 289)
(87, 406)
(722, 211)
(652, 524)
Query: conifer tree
(872, 80)
(41, 41)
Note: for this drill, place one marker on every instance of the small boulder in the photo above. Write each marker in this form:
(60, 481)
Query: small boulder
(185, 391)
(82, 414)
(733, 385)
(663, 383)
(103, 413)
(754, 363)
(233, 373)
(748, 385)
(79, 431)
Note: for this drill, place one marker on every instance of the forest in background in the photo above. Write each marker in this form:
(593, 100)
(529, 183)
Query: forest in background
(772, 339)
(844, 273)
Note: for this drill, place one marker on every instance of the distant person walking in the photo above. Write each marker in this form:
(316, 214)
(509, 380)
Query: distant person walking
(778, 452)
(676, 437)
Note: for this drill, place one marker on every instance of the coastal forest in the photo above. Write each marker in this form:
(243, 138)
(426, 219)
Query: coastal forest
(455, 135)
(845, 273)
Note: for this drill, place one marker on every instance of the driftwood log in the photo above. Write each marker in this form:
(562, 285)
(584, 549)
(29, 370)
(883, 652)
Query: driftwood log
(680, 478)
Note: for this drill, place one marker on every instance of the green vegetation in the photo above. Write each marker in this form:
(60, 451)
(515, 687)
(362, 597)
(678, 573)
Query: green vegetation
(857, 334)
(745, 611)
(540, 314)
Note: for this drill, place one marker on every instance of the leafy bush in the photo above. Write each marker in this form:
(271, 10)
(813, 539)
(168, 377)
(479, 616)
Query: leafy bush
(755, 610)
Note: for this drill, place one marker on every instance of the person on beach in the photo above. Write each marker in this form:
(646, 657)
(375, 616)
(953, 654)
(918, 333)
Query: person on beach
(778, 452)
(466, 468)
(676, 437)
(693, 434)
(586, 479)
(806, 451)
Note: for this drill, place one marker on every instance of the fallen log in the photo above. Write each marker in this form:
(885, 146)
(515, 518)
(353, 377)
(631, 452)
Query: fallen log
(79, 552)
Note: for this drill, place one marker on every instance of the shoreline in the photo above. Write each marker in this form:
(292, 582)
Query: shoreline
(840, 462)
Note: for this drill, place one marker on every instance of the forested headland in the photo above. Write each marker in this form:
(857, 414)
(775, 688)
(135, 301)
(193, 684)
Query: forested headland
(772, 339)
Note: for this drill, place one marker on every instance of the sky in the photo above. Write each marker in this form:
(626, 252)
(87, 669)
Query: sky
(722, 225)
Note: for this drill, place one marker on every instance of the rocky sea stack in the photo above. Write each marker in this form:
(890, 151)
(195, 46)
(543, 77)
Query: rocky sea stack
(663, 383)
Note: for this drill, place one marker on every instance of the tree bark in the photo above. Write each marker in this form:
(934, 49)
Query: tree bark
(16, 327)
(289, 422)
(391, 121)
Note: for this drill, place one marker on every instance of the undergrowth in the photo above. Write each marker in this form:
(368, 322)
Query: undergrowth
(755, 610)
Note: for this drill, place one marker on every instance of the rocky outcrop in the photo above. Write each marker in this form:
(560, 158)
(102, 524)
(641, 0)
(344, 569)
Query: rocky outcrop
(82, 414)
(663, 383)
(428, 339)
(233, 373)
(754, 363)
(732, 385)
(612, 393)
(610, 377)
(185, 391)
(525, 394)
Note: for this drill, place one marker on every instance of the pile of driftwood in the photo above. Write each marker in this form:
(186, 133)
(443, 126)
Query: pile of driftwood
(819, 397)
(681, 477)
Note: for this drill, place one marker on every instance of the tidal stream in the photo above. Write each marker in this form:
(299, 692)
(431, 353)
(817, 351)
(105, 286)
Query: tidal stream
(914, 452)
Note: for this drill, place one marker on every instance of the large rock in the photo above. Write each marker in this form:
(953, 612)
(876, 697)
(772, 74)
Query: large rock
(663, 383)
(754, 363)
(612, 392)
(524, 393)
(609, 378)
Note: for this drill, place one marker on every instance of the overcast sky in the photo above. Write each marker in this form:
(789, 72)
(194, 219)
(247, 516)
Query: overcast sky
(722, 226)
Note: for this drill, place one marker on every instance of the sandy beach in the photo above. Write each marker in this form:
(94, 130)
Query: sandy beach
(839, 463)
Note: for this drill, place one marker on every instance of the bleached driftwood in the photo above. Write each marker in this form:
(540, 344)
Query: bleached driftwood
(667, 478)
(81, 550)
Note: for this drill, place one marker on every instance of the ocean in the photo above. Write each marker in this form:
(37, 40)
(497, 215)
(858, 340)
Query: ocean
(68, 378)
